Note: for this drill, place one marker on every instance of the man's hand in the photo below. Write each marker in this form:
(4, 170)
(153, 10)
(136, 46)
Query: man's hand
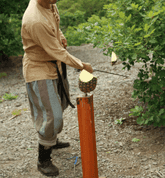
(64, 42)
(87, 67)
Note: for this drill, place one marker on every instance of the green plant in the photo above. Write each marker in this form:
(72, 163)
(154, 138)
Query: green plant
(73, 14)
(136, 29)
(74, 37)
(135, 140)
(89, 7)
(86, 32)
(71, 19)
(10, 25)
(3, 74)
(10, 42)
(119, 121)
(16, 112)
(9, 96)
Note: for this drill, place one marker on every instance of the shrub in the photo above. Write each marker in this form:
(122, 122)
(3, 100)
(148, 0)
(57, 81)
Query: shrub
(136, 29)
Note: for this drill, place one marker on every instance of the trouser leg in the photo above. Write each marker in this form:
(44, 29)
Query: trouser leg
(46, 110)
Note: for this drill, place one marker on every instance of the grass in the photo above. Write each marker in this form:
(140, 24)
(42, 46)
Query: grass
(3, 74)
(8, 97)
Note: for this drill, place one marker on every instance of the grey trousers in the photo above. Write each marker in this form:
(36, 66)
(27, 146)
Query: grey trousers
(46, 109)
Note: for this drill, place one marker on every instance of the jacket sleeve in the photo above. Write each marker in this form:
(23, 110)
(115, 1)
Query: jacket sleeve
(45, 38)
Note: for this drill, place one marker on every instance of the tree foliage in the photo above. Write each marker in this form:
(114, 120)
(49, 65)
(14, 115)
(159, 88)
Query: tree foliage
(10, 25)
(136, 29)
(90, 7)
(73, 13)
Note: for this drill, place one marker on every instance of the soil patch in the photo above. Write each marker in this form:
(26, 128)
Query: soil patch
(118, 156)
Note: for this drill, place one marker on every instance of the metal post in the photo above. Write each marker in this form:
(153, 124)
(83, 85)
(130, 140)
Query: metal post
(87, 136)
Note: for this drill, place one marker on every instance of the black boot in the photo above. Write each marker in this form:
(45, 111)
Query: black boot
(44, 163)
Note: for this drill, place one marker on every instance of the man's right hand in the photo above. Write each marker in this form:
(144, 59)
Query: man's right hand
(87, 67)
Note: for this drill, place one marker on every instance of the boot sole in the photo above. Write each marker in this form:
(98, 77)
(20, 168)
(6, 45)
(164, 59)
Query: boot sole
(47, 174)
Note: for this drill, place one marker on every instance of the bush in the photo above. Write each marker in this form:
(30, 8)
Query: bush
(10, 42)
(75, 37)
(136, 29)
(90, 7)
(86, 32)
(73, 13)
(10, 25)
(71, 19)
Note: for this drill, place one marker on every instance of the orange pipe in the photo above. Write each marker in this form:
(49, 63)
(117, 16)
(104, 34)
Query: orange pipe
(87, 136)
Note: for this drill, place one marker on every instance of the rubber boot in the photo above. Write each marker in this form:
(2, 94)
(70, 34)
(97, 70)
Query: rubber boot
(44, 163)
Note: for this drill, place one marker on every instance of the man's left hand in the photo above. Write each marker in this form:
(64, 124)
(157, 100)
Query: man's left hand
(64, 42)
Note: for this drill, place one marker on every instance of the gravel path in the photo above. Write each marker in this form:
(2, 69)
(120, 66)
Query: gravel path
(117, 155)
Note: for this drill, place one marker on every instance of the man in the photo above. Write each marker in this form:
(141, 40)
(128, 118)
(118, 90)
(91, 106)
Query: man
(44, 42)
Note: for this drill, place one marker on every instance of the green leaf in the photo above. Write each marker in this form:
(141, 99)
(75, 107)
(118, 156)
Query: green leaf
(133, 110)
(134, 56)
(134, 5)
(133, 27)
(139, 108)
(146, 36)
(152, 40)
(137, 29)
(146, 122)
(110, 28)
(137, 44)
(151, 118)
(140, 120)
(121, 15)
(150, 14)
(135, 140)
(149, 34)
(146, 27)
(161, 111)
(157, 119)
(140, 8)
(129, 17)
(118, 121)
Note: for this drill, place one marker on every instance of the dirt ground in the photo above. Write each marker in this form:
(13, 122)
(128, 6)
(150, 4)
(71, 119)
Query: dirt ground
(118, 156)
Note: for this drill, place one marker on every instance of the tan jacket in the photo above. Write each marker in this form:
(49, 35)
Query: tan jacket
(42, 42)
